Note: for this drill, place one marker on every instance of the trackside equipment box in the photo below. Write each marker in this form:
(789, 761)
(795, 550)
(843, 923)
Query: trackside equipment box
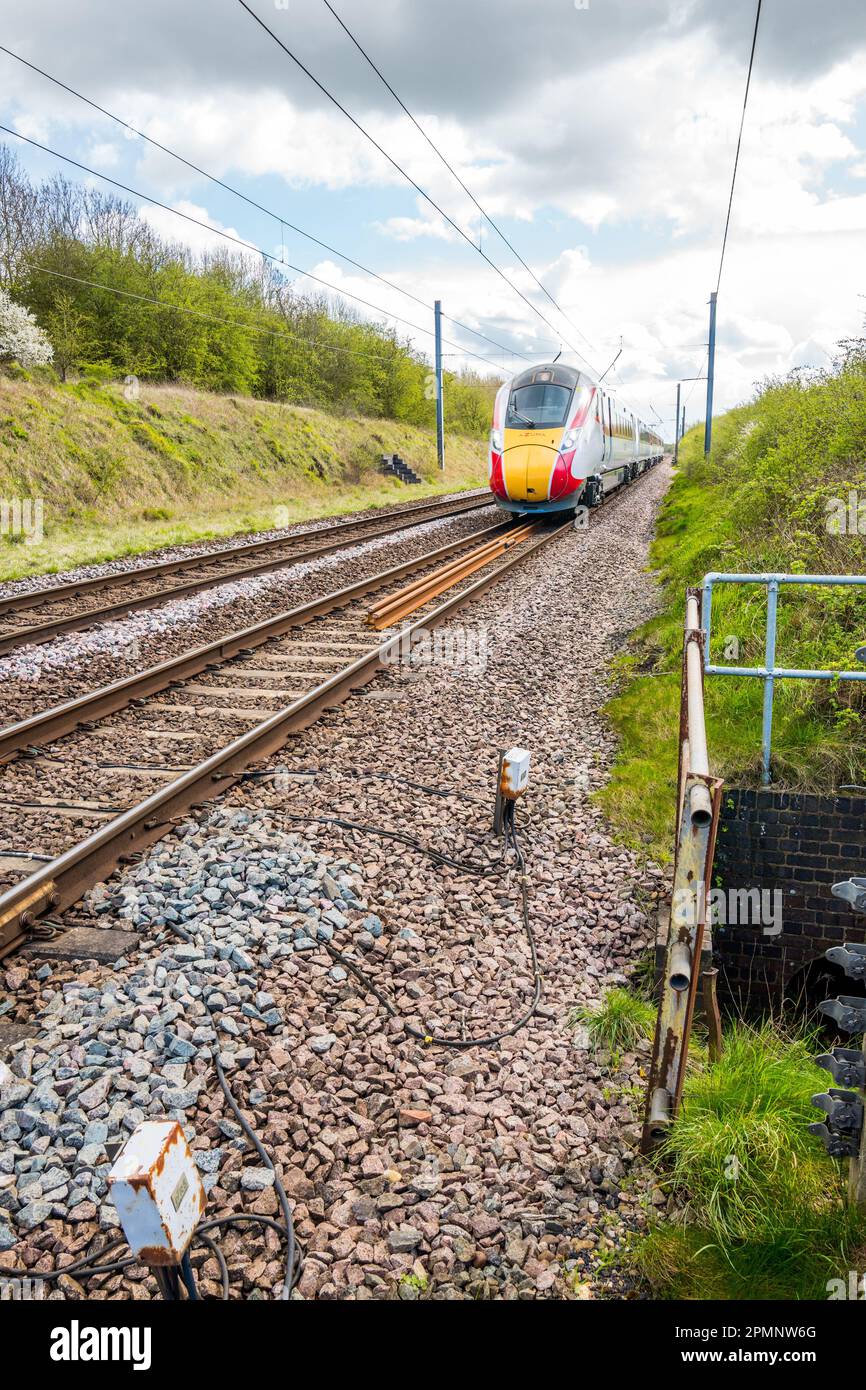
(156, 1188)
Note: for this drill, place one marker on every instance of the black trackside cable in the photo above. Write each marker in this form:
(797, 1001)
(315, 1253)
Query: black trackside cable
(170, 1278)
(469, 866)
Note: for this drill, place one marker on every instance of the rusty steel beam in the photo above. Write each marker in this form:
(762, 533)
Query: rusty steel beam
(108, 699)
(710, 1002)
(62, 881)
(392, 600)
(401, 604)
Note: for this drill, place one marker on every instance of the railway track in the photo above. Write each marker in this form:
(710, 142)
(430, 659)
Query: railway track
(252, 690)
(143, 587)
(139, 764)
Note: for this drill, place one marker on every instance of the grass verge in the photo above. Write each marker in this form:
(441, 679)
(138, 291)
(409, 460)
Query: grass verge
(768, 499)
(119, 477)
(764, 1216)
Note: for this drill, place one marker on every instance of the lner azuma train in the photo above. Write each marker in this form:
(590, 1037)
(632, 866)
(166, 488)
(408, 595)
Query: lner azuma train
(560, 440)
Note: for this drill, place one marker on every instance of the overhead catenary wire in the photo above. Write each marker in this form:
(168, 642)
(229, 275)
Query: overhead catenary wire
(739, 143)
(706, 358)
(408, 177)
(313, 343)
(238, 241)
(484, 213)
(699, 377)
(252, 202)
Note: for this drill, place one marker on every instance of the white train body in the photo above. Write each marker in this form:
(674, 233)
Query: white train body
(560, 439)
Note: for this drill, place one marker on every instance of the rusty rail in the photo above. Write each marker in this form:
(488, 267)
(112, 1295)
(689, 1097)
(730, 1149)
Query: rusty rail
(13, 638)
(415, 595)
(688, 947)
(38, 598)
(61, 719)
(62, 881)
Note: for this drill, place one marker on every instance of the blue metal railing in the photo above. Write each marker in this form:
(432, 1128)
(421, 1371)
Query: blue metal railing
(769, 673)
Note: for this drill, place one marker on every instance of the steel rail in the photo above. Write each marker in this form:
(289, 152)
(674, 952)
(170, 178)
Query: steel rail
(108, 699)
(63, 881)
(79, 622)
(397, 606)
(35, 598)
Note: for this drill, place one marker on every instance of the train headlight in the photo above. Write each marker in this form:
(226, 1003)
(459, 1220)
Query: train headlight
(569, 439)
(496, 441)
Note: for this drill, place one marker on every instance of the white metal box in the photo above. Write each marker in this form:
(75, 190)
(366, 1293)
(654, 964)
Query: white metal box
(515, 773)
(156, 1188)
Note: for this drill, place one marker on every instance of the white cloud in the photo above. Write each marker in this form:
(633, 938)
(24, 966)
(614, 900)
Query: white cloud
(198, 238)
(102, 154)
(411, 228)
(620, 151)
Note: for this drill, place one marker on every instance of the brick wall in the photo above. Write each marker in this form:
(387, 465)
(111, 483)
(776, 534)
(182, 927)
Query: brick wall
(800, 845)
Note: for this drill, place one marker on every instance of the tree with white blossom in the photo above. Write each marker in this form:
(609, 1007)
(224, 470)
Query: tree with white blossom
(21, 338)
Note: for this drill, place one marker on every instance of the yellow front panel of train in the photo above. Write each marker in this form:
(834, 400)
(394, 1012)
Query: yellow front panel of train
(527, 461)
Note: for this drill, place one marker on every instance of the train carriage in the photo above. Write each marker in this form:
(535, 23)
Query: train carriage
(559, 440)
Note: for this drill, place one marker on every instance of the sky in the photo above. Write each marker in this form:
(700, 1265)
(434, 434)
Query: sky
(599, 135)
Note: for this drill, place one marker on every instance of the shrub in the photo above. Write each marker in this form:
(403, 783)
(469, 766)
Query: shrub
(766, 499)
(21, 338)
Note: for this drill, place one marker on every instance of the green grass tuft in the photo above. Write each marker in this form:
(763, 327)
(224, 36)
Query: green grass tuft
(617, 1023)
(765, 1216)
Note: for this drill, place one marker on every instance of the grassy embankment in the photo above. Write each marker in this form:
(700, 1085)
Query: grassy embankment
(119, 477)
(763, 501)
(764, 1216)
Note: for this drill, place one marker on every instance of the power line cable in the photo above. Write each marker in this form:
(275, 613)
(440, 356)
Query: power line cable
(238, 241)
(739, 143)
(454, 173)
(237, 193)
(699, 377)
(408, 177)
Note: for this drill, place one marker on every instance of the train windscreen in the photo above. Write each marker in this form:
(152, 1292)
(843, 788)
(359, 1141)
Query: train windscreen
(542, 405)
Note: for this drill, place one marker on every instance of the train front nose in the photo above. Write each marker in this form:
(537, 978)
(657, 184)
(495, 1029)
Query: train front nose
(527, 470)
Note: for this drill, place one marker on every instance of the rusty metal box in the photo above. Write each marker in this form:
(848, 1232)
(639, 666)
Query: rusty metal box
(157, 1191)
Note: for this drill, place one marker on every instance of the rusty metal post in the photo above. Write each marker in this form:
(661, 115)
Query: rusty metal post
(857, 1165)
(712, 1017)
(499, 804)
(699, 799)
